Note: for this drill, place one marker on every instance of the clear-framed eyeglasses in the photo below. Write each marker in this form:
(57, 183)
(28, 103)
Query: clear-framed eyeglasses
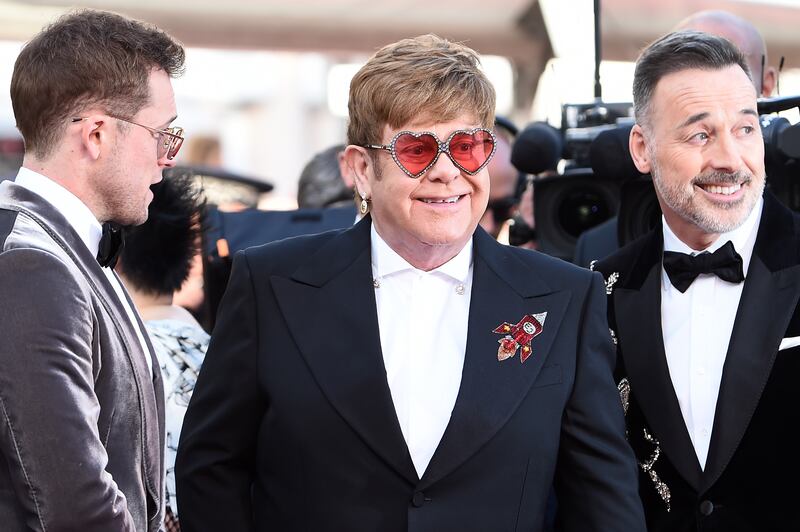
(170, 139)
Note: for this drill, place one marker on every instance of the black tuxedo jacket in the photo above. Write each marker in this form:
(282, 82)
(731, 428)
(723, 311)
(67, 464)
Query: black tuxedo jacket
(750, 480)
(292, 426)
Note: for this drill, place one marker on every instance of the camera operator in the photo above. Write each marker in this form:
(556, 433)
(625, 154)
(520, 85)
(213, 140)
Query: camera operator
(599, 242)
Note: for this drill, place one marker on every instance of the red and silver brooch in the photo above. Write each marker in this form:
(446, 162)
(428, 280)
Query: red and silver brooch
(519, 336)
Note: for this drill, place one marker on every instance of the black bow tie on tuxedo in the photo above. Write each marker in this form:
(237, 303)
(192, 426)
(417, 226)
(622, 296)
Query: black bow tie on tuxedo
(111, 244)
(683, 269)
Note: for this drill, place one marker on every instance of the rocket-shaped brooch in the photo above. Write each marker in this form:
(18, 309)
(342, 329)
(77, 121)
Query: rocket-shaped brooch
(519, 336)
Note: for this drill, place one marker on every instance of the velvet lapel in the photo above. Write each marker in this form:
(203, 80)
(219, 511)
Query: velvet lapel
(637, 306)
(504, 289)
(333, 290)
(52, 222)
(769, 298)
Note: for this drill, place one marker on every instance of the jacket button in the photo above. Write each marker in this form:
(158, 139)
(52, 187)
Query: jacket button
(418, 499)
(706, 508)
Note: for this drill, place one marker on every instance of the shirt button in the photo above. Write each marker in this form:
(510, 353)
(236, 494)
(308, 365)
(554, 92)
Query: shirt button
(418, 499)
(705, 432)
(701, 371)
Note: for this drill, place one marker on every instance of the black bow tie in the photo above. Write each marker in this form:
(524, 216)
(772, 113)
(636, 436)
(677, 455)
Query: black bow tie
(683, 269)
(111, 244)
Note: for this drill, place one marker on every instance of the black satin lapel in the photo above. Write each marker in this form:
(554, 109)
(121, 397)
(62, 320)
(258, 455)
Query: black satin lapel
(491, 390)
(345, 356)
(642, 347)
(767, 304)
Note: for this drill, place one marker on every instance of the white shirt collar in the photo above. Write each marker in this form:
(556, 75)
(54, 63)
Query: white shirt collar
(73, 209)
(386, 261)
(743, 237)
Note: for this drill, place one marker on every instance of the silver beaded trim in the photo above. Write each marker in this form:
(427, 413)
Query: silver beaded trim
(661, 488)
(624, 388)
(612, 279)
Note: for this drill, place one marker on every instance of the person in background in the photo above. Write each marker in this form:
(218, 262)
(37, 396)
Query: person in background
(504, 180)
(154, 263)
(599, 242)
(321, 183)
(745, 36)
(82, 431)
(704, 307)
(409, 372)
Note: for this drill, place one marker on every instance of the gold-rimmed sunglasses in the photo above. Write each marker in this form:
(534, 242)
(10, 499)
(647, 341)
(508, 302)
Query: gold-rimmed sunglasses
(170, 139)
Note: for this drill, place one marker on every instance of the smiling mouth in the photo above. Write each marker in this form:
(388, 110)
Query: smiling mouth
(725, 191)
(452, 199)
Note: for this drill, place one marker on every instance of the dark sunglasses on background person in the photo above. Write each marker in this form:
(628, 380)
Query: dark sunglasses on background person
(170, 139)
(415, 153)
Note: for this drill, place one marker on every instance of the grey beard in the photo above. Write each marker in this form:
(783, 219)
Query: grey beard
(683, 204)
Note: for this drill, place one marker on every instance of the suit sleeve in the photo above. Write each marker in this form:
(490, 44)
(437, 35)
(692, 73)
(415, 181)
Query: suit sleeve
(596, 478)
(48, 409)
(216, 459)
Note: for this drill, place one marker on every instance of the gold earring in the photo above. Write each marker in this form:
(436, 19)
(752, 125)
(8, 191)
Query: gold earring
(364, 206)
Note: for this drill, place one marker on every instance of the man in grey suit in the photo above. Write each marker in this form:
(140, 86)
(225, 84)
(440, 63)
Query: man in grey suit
(81, 400)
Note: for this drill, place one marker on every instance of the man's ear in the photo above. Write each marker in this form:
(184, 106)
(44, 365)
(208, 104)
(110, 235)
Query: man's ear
(769, 81)
(94, 135)
(344, 170)
(637, 144)
(359, 164)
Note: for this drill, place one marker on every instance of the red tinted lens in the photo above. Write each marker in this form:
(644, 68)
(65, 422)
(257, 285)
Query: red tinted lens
(174, 143)
(471, 150)
(416, 153)
(174, 147)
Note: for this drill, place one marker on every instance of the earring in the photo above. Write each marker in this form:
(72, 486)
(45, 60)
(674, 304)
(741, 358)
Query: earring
(364, 206)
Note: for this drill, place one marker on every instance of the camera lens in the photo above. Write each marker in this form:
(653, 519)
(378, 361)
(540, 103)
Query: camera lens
(639, 209)
(566, 205)
(582, 209)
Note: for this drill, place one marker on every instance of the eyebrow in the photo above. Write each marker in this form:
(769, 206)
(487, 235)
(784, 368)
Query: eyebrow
(702, 116)
(168, 122)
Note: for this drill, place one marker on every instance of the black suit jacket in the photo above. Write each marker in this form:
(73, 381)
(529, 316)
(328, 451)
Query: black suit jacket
(750, 480)
(292, 426)
(596, 243)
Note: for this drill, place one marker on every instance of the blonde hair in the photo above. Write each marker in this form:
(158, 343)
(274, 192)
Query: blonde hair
(416, 79)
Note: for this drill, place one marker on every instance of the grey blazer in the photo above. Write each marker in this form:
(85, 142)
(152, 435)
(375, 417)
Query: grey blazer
(81, 418)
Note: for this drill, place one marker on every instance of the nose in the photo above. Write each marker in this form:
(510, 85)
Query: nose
(165, 162)
(443, 170)
(725, 154)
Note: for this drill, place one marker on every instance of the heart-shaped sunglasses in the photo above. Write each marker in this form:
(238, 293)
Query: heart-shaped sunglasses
(415, 153)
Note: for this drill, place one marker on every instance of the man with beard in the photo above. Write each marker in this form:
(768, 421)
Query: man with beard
(703, 307)
(82, 426)
(601, 241)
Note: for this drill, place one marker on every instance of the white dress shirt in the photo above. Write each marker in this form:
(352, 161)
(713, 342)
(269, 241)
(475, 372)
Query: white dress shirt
(697, 326)
(88, 228)
(422, 317)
